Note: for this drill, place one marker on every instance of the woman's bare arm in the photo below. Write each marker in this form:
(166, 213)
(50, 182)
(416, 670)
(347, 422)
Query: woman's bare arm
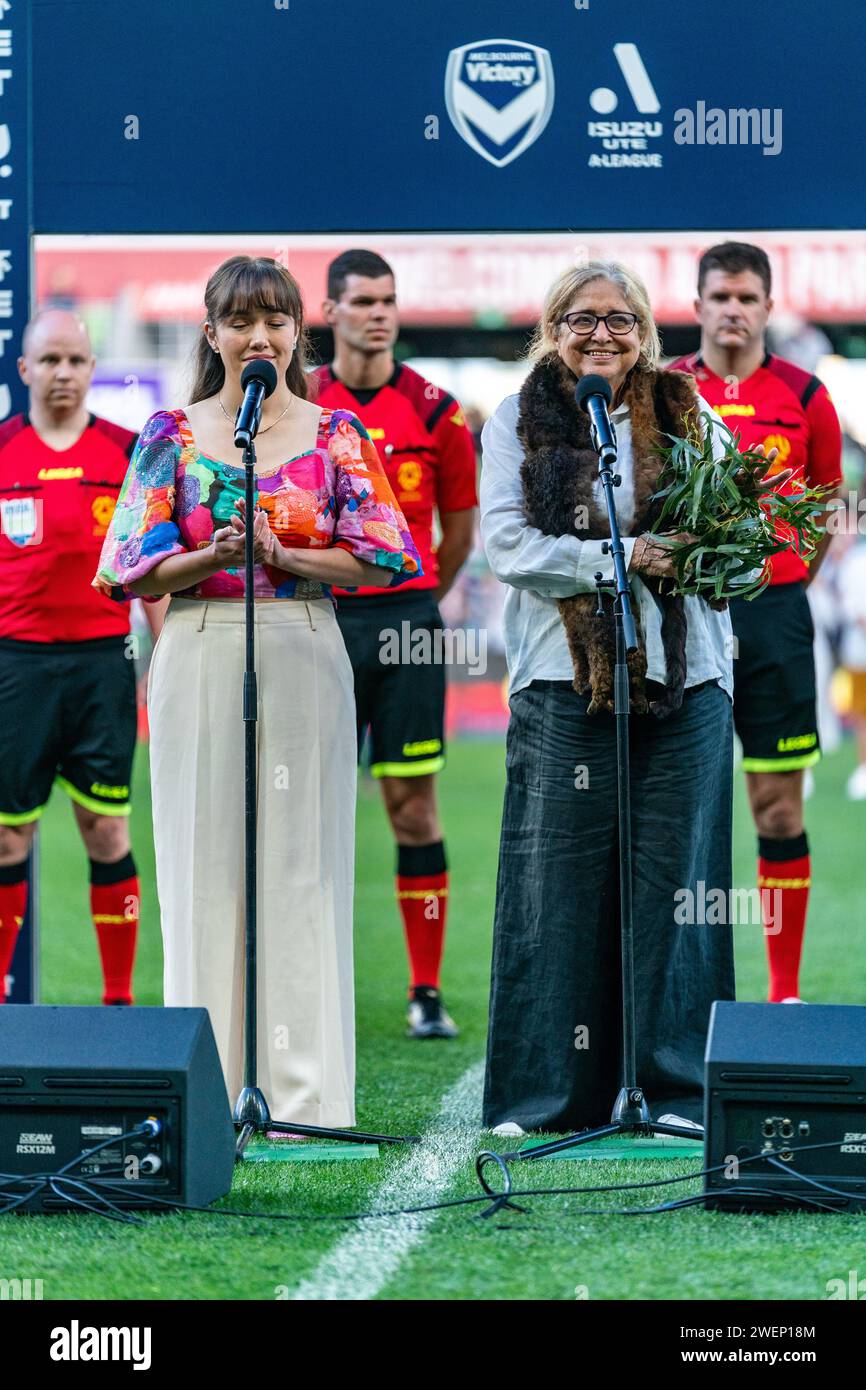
(332, 565)
(178, 572)
(328, 566)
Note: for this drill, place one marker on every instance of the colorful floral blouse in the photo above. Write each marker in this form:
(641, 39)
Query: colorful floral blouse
(173, 498)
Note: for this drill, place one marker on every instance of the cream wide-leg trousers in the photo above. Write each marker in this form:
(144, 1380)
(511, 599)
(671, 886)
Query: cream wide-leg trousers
(306, 744)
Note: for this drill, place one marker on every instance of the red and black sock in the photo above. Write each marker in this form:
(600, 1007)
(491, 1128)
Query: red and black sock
(784, 876)
(422, 892)
(13, 905)
(114, 903)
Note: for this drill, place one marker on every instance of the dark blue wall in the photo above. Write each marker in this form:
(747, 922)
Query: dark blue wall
(312, 117)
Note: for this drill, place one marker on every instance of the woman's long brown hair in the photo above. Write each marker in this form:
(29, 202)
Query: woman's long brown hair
(239, 285)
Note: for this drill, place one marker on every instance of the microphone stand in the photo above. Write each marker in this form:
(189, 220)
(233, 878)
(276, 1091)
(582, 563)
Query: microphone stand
(630, 1114)
(251, 1113)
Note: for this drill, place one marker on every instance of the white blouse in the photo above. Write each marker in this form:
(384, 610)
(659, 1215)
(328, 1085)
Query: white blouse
(539, 569)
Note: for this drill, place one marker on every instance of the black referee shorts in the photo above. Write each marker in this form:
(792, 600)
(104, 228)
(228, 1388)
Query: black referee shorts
(67, 714)
(399, 682)
(774, 680)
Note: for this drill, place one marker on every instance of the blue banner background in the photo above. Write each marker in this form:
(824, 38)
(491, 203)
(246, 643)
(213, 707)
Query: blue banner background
(310, 115)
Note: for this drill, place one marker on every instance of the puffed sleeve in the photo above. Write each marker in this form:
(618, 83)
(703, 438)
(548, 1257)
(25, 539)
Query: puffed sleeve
(143, 530)
(369, 521)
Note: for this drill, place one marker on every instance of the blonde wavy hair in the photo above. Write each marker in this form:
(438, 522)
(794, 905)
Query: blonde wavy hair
(566, 286)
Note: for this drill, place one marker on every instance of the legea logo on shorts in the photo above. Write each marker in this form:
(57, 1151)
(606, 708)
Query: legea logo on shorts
(499, 95)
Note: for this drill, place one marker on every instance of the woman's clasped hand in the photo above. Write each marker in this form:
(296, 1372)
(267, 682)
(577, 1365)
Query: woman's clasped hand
(229, 542)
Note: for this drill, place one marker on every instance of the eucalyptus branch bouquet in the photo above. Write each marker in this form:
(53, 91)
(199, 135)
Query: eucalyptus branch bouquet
(729, 515)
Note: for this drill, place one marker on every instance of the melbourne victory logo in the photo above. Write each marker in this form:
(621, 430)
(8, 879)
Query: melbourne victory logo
(499, 95)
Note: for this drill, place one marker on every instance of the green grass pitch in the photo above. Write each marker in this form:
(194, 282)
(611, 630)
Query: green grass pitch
(555, 1251)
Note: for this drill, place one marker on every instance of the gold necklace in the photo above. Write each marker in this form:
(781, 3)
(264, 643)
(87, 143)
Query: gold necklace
(267, 427)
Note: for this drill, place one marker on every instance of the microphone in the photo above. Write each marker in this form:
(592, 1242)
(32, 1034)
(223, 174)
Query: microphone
(258, 381)
(593, 396)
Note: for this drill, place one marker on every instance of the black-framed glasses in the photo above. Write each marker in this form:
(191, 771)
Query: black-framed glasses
(618, 323)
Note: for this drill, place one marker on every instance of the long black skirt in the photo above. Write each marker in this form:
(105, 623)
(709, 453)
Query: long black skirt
(554, 1057)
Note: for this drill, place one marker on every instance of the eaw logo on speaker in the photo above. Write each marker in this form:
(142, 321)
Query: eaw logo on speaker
(499, 96)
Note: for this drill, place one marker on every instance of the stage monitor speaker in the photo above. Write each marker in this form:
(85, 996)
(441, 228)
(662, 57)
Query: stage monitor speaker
(71, 1078)
(786, 1077)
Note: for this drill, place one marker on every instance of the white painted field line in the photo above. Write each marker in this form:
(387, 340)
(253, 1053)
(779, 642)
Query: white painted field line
(362, 1262)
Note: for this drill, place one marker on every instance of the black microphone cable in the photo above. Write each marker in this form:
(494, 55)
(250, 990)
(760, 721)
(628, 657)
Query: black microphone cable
(98, 1189)
(497, 1201)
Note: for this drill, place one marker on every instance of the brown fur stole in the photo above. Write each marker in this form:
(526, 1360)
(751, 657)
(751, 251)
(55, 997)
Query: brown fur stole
(558, 474)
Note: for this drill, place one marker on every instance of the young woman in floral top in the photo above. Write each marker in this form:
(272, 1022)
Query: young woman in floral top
(325, 515)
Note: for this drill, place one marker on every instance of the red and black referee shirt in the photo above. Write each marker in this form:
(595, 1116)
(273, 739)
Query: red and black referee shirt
(426, 448)
(782, 407)
(55, 506)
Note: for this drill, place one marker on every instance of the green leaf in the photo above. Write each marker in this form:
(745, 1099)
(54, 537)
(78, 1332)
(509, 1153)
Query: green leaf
(719, 502)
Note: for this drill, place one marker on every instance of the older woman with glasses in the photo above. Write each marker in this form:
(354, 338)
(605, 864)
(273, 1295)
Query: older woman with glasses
(553, 1059)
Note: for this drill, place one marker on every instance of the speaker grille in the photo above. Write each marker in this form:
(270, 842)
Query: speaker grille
(787, 1078)
(106, 1083)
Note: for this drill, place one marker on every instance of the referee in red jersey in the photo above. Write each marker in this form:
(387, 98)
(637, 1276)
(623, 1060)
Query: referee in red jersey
(67, 678)
(429, 456)
(769, 401)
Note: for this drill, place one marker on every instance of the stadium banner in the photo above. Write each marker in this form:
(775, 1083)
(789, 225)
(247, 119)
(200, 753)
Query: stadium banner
(472, 278)
(15, 241)
(573, 115)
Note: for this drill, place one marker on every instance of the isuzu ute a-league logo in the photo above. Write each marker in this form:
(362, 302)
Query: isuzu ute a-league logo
(624, 143)
(499, 95)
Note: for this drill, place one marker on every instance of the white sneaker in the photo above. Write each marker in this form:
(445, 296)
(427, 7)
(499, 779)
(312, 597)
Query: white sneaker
(509, 1129)
(792, 999)
(856, 784)
(681, 1121)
